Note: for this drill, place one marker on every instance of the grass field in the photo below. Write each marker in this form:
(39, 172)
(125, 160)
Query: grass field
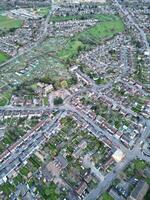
(3, 57)
(43, 11)
(49, 59)
(90, 37)
(101, 17)
(73, 47)
(5, 98)
(103, 30)
(7, 23)
(106, 196)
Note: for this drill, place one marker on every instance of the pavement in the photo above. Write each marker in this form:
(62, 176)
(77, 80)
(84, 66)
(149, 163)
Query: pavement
(110, 177)
(129, 17)
(35, 139)
(27, 146)
(40, 39)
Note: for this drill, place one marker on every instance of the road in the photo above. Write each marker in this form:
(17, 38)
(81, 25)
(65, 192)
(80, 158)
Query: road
(129, 17)
(104, 185)
(33, 141)
(66, 107)
(130, 156)
(40, 39)
(25, 148)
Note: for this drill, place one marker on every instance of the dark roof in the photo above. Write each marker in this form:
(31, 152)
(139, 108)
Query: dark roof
(140, 190)
(62, 161)
(147, 172)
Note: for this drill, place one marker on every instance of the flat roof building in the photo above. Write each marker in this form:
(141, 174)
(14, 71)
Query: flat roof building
(118, 155)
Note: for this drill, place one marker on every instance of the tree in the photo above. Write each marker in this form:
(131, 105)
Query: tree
(46, 79)
(58, 101)
(72, 81)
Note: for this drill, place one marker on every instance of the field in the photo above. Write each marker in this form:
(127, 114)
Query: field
(103, 30)
(5, 97)
(43, 11)
(38, 63)
(90, 37)
(106, 196)
(3, 57)
(50, 58)
(7, 23)
(73, 48)
(100, 17)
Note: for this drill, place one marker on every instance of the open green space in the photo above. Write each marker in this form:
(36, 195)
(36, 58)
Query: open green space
(3, 101)
(50, 58)
(100, 17)
(103, 30)
(93, 36)
(43, 11)
(106, 196)
(5, 97)
(7, 23)
(58, 101)
(3, 57)
(41, 62)
(73, 48)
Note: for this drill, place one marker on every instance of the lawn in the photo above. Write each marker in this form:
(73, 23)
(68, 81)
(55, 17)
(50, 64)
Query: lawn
(3, 101)
(24, 171)
(3, 57)
(48, 191)
(91, 37)
(101, 17)
(7, 188)
(7, 23)
(103, 30)
(106, 196)
(5, 98)
(73, 48)
(18, 179)
(35, 161)
(45, 100)
(43, 11)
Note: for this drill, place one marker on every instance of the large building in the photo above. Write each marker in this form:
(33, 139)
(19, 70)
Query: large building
(140, 191)
(118, 155)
